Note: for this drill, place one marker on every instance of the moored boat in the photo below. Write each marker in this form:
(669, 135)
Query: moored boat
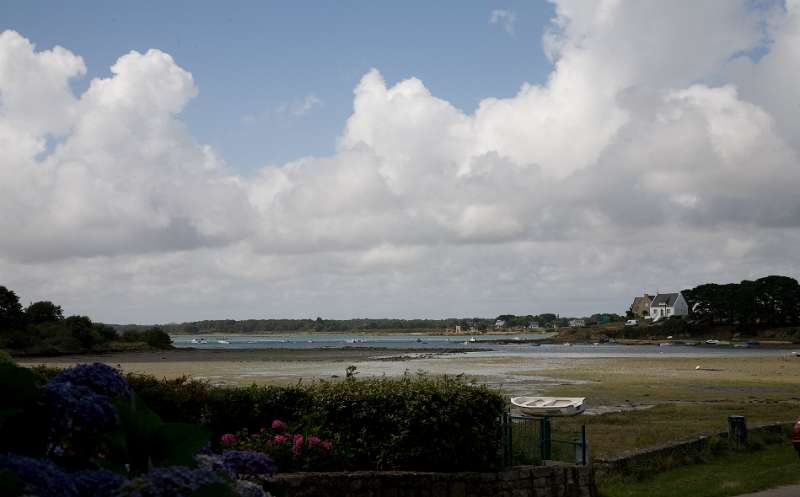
(550, 406)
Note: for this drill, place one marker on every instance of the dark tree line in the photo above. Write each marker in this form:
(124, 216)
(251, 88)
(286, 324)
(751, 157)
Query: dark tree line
(313, 325)
(772, 301)
(42, 328)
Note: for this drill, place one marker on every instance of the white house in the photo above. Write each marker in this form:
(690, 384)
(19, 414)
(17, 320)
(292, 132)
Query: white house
(665, 305)
(577, 323)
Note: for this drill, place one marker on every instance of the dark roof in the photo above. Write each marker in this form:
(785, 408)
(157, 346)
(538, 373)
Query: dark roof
(667, 299)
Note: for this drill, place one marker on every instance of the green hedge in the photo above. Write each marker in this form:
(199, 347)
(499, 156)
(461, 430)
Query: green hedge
(412, 422)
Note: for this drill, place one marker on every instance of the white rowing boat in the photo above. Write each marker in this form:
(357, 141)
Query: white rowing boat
(550, 406)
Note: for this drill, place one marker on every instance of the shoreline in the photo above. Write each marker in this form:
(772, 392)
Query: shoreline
(195, 355)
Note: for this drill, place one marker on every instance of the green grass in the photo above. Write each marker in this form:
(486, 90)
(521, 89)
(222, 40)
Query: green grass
(685, 402)
(727, 475)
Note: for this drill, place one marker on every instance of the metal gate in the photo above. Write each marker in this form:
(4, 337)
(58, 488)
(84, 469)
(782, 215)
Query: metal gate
(530, 440)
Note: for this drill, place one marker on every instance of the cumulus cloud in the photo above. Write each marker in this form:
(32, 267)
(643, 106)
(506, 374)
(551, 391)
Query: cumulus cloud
(504, 18)
(661, 152)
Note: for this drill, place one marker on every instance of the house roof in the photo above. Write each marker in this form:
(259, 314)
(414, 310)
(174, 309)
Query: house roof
(639, 300)
(667, 299)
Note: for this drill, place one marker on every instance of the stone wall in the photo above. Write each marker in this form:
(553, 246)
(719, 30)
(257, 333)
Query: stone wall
(556, 480)
(664, 457)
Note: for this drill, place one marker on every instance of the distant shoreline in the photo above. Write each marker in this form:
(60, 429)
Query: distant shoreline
(188, 354)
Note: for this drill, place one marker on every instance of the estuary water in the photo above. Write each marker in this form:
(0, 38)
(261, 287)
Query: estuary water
(478, 345)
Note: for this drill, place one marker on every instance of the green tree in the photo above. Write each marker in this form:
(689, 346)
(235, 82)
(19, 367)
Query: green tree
(43, 312)
(105, 332)
(158, 338)
(11, 315)
(81, 329)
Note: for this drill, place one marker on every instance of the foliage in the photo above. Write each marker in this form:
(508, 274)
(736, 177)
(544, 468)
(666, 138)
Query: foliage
(154, 337)
(413, 422)
(769, 301)
(101, 440)
(300, 450)
(43, 312)
(42, 329)
(11, 315)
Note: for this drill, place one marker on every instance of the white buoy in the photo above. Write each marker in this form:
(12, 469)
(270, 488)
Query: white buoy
(697, 367)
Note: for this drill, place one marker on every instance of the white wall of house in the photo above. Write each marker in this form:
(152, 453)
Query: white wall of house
(679, 308)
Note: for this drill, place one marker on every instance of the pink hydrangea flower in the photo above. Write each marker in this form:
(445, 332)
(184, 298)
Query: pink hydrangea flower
(326, 444)
(280, 439)
(278, 425)
(228, 438)
(313, 441)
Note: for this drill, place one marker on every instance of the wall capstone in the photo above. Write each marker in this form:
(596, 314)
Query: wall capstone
(552, 480)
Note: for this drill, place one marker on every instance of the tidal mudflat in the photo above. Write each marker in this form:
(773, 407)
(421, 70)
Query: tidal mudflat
(634, 399)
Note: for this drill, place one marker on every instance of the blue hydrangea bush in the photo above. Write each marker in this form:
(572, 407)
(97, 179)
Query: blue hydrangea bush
(102, 441)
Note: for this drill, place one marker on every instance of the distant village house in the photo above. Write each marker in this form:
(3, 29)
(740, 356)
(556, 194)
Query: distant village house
(665, 305)
(577, 323)
(641, 306)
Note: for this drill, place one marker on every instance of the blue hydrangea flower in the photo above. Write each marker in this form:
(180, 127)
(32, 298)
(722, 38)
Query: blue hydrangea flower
(40, 477)
(98, 377)
(97, 483)
(213, 462)
(76, 408)
(173, 481)
(248, 462)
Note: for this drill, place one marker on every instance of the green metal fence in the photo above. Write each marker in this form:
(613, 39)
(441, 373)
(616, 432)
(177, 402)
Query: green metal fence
(532, 440)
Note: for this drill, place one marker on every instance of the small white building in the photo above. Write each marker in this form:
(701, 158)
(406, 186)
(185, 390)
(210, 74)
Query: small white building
(499, 323)
(665, 305)
(577, 323)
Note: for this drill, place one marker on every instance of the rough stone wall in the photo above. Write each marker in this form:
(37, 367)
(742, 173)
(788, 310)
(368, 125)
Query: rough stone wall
(557, 480)
(663, 457)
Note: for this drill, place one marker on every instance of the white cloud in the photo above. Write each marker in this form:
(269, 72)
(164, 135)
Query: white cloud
(505, 18)
(654, 156)
(300, 107)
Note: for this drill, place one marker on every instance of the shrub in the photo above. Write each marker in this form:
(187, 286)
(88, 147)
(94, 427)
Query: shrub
(412, 422)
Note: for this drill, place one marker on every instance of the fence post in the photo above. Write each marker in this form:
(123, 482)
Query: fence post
(737, 431)
(545, 442)
(584, 447)
(507, 449)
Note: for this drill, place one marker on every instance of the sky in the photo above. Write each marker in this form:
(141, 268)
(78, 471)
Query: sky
(176, 161)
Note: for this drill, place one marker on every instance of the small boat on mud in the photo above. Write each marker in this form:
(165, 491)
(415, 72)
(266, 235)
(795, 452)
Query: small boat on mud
(223, 342)
(549, 406)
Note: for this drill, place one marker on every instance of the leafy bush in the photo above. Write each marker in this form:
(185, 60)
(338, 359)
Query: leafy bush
(84, 432)
(291, 450)
(412, 422)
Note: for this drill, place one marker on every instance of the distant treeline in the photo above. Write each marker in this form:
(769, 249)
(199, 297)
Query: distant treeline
(772, 301)
(313, 325)
(41, 328)
(320, 325)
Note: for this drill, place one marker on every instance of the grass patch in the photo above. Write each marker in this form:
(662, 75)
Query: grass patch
(685, 402)
(611, 435)
(730, 474)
